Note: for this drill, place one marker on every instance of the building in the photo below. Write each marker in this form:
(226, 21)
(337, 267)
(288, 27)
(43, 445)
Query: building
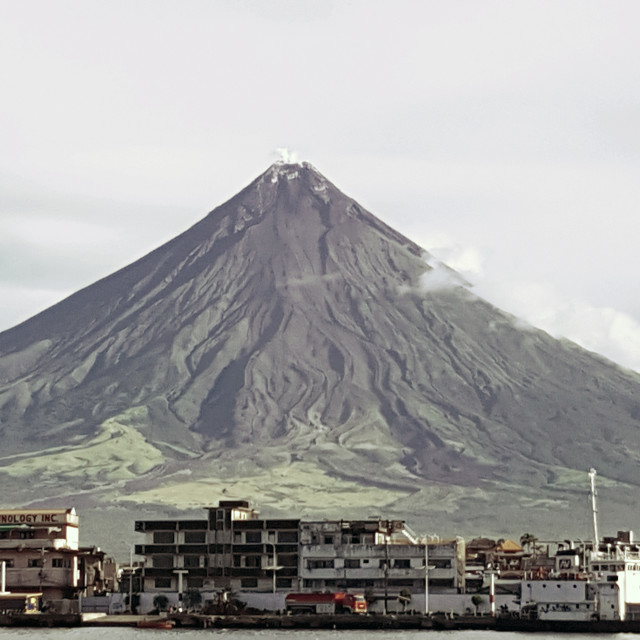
(232, 549)
(176, 554)
(40, 551)
(235, 549)
(586, 582)
(382, 558)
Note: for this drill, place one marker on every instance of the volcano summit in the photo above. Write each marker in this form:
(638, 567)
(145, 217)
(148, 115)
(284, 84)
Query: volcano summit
(286, 349)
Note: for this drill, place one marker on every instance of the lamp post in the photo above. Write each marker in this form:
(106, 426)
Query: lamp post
(181, 573)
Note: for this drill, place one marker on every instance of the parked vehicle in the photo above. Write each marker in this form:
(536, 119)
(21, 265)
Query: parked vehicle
(327, 603)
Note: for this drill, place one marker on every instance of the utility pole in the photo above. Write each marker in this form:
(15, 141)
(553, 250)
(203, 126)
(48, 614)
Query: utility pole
(386, 572)
(594, 509)
(426, 576)
(4, 578)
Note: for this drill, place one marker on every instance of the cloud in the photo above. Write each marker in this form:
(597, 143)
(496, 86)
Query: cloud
(537, 303)
(440, 276)
(604, 330)
(465, 260)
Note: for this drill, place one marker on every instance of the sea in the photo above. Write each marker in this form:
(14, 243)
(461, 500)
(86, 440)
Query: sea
(128, 633)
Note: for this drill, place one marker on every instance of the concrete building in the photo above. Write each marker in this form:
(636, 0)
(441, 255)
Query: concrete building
(41, 553)
(235, 549)
(232, 549)
(381, 558)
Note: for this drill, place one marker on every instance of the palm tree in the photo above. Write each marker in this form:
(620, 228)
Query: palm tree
(528, 540)
(160, 602)
(192, 599)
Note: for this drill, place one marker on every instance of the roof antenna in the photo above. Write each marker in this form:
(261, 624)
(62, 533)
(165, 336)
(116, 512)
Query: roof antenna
(594, 508)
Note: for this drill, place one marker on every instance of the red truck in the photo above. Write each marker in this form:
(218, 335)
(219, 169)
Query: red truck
(327, 603)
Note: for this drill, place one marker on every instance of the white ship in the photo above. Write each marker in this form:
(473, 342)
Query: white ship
(591, 581)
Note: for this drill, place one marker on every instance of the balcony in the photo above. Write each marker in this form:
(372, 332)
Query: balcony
(201, 549)
(39, 577)
(150, 549)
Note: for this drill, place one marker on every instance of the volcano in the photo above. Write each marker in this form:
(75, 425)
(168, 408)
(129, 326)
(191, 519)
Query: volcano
(293, 349)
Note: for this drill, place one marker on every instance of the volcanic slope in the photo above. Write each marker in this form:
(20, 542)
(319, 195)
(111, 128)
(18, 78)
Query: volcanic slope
(293, 349)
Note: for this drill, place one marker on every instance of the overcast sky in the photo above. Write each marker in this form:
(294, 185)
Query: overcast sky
(504, 136)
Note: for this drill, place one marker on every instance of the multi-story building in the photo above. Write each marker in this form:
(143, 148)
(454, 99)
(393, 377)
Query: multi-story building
(235, 549)
(176, 552)
(232, 549)
(40, 552)
(380, 557)
(447, 565)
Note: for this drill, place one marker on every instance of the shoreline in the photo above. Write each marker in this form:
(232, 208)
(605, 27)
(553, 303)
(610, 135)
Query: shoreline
(438, 622)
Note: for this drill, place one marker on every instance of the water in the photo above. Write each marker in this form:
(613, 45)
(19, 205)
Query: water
(128, 633)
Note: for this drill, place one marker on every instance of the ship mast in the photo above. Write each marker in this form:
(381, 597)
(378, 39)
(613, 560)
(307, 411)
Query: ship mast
(594, 508)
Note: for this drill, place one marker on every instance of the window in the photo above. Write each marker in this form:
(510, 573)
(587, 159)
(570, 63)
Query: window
(440, 563)
(8, 562)
(287, 536)
(61, 563)
(320, 564)
(402, 563)
(328, 540)
(162, 562)
(253, 536)
(252, 561)
(163, 537)
(285, 560)
(351, 563)
(249, 583)
(284, 583)
(34, 562)
(195, 583)
(191, 562)
(163, 583)
(194, 537)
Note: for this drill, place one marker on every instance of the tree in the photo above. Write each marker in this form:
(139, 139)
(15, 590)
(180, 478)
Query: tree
(476, 600)
(192, 599)
(404, 597)
(528, 540)
(160, 602)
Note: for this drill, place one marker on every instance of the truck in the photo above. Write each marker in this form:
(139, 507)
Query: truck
(327, 603)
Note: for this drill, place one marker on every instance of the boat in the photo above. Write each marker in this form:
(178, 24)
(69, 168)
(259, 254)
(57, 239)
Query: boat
(155, 623)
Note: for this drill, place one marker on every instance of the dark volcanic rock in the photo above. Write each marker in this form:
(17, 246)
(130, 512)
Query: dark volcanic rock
(292, 325)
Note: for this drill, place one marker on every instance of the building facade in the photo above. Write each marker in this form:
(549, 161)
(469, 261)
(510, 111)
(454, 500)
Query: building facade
(232, 549)
(237, 550)
(382, 558)
(40, 551)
